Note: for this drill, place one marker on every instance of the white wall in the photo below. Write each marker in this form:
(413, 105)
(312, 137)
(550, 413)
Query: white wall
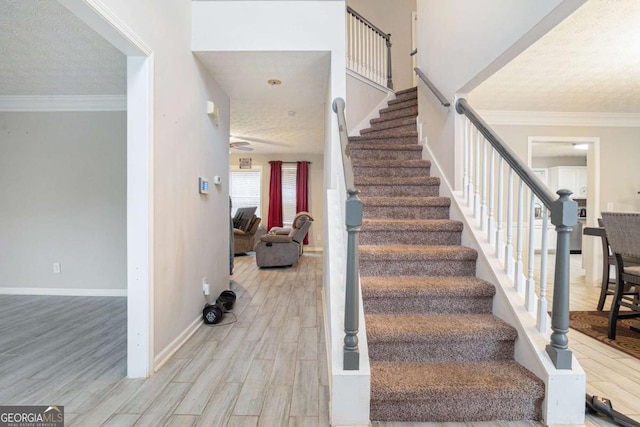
(619, 151)
(461, 43)
(316, 193)
(392, 17)
(549, 162)
(63, 192)
(365, 101)
(188, 244)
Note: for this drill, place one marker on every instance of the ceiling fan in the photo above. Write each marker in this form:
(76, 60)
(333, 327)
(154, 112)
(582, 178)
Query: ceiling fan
(240, 145)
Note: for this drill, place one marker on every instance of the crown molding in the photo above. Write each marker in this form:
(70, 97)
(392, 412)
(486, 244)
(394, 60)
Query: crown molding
(33, 103)
(552, 118)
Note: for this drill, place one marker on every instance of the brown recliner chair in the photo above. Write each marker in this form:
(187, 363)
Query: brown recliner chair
(244, 240)
(282, 246)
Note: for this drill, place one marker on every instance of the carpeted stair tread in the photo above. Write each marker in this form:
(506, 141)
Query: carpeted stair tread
(426, 225)
(396, 180)
(403, 130)
(455, 391)
(417, 253)
(418, 286)
(406, 201)
(403, 104)
(410, 110)
(404, 96)
(390, 123)
(391, 163)
(432, 328)
(412, 90)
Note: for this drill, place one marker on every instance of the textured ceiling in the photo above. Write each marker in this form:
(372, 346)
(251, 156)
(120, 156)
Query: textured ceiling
(260, 112)
(46, 50)
(589, 63)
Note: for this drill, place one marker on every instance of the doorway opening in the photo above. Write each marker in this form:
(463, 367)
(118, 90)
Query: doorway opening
(572, 157)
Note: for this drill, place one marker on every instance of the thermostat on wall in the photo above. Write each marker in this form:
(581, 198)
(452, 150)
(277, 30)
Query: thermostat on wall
(204, 185)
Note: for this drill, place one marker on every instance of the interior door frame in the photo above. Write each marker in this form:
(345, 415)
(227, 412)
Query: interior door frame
(139, 178)
(592, 251)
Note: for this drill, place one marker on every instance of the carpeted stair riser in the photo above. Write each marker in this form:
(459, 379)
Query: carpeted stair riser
(433, 295)
(368, 140)
(461, 409)
(404, 130)
(404, 96)
(418, 305)
(405, 208)
(438, 338)
(392, 168)
(416, 232)
(404, 152)
(405, 212)
(410, 110)
(455, 391)
(399, 123)
(432, 263)
(390, 171)
(394, 190)
(389, 268)
(409, 238)
(410, 103)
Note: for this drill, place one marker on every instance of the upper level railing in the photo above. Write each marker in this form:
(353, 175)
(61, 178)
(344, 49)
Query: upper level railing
(443, 100)
(486, 197)
(368, 49)
(353, 221)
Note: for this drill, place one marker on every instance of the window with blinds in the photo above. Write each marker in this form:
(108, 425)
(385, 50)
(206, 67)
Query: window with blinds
(244, 188)
(288, 193)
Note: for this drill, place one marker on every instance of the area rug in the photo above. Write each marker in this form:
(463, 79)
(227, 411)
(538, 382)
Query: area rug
(594, 324)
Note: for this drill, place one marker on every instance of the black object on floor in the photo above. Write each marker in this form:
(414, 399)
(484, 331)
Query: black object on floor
(213, 313)
(603, 406)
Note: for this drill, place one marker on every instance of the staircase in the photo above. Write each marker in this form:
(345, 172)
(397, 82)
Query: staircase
(437, 353)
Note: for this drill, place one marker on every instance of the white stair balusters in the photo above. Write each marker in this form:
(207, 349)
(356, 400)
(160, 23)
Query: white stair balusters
(499, 232)
(530, 294)
(368, 49)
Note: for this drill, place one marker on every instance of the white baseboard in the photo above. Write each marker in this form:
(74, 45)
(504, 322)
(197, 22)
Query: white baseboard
(175, 345)
(313, 248)
(65, 292)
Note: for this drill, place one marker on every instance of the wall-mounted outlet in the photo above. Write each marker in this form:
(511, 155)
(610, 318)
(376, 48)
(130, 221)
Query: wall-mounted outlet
(56, 267)
(609, 206)
(319, 237)
(205, 286)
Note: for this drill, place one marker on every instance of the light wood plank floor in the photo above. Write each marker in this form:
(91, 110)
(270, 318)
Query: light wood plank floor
(268, 368)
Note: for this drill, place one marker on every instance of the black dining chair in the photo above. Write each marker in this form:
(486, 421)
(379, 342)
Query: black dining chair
(623, 234)
(608, 285)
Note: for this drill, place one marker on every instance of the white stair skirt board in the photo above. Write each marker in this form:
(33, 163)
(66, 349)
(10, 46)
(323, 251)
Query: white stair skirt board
(80, 292)
(564, 389)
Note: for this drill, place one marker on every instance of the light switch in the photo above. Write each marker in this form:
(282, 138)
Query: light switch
(203, 185)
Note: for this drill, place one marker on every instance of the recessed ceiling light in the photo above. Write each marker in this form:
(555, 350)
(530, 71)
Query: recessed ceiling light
(274, 82)
(291, 113)
(581, 146)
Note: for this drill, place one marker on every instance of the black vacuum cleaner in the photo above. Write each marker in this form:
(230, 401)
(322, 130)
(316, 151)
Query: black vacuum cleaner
(213, 313)
(603, 406)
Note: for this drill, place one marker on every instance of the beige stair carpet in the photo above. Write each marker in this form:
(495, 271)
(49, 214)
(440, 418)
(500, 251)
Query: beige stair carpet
(437, 352)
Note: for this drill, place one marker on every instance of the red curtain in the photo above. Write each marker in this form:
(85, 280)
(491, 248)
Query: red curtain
(275, 195)
(302, 198)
